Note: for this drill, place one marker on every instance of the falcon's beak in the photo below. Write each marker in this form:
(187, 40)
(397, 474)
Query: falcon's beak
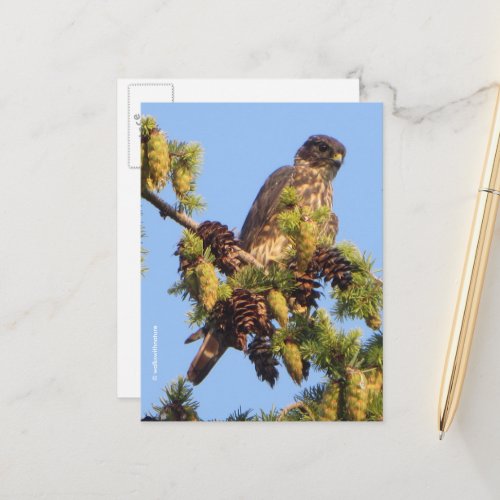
(338, 158)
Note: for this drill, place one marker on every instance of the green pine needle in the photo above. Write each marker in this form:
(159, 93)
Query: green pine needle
(191, 203)
(289, 198)
(313, 394)
(321, 215)
(192, 247)
(331, 350)
(270, 416)
(178, 403)
(289, 221)
(372, 351)
(144, 268)
(224, 291)
(311, 398)
(144, 252)
(375, 408)
(299, 329)
(364, 297)
(241, 416)
(259, 280)
(186, 156)
(179, 289)
(197, 316)
(148, 124)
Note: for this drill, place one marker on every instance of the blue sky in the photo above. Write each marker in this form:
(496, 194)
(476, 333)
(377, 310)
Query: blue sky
(243, 144)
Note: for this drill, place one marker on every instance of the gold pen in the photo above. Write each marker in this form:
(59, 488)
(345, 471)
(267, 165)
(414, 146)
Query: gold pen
(469, 295)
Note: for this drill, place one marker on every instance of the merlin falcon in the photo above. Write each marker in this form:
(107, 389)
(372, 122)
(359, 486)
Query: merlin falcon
(315, 166)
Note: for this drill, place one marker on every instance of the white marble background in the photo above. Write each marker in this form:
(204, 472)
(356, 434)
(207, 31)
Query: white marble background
(63, 433)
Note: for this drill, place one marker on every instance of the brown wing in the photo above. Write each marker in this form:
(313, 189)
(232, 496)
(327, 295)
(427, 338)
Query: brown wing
(265, 204)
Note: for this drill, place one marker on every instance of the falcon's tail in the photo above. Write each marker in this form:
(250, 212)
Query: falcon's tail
(209, 353)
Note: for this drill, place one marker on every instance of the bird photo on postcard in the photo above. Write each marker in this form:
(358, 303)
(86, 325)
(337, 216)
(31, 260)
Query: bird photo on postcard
(316, 164)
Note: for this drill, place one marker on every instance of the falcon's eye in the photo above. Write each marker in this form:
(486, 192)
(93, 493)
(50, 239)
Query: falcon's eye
(322, 147)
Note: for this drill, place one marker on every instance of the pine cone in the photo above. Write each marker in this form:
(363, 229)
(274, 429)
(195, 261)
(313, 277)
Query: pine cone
(374, 322)
(261, 355)
(329, 406)
(181, 181)
(306, 293)
(293, 361)
(250, 314)
(278, 306)
(356, 397)
(305, 243)
(242, 314)
(156, 169)
(333, 267)
(225, 247)
(208, 284)
(222, 319)
(374, 380)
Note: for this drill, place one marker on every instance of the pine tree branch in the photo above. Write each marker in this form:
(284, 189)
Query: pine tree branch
(167, 210)
(295, 406)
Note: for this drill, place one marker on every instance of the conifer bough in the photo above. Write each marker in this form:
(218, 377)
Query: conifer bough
(167, 210)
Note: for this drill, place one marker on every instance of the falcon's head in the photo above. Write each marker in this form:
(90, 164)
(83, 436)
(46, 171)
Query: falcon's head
(321, 151)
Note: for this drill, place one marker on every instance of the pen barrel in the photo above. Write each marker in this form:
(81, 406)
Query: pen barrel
(471, 286)
(464, 320)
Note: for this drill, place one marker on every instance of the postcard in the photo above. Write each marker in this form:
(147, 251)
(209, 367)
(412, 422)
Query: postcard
(261, 262)
(131, 93)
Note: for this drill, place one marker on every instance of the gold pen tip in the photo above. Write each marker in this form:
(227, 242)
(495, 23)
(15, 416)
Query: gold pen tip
(441, 435)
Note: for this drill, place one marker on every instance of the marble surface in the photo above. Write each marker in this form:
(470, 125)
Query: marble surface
(64, 434)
